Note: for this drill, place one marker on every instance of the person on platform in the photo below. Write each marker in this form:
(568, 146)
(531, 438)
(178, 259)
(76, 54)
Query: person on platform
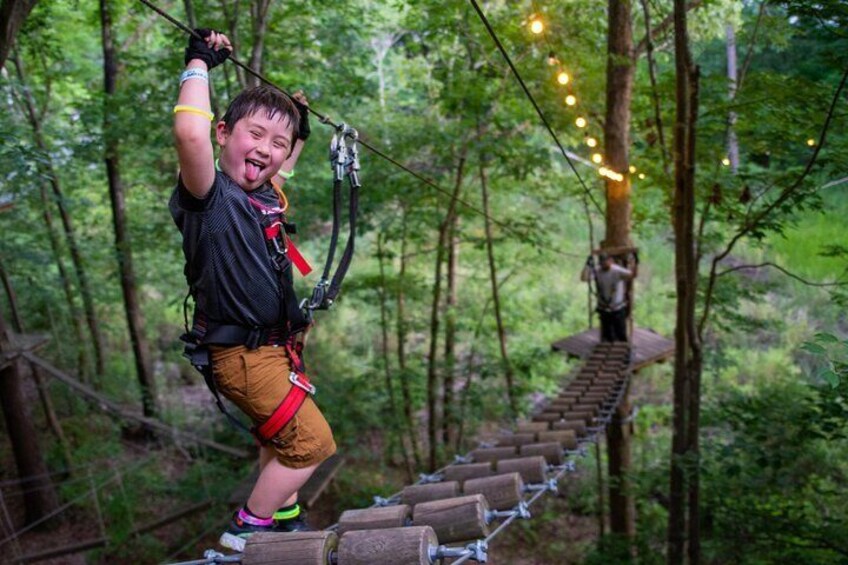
(612, 306)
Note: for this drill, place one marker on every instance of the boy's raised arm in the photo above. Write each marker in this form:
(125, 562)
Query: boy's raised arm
(192, 116)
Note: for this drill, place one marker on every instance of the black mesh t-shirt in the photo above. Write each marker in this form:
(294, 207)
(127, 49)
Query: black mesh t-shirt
(228, 266)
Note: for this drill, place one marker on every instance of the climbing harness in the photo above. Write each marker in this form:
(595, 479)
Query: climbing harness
(344, 160)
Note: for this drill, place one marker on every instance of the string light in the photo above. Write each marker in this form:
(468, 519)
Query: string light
(552, 60)
(725, 162)
(811, 142)
(632, 169)
(571, 100)
(563, 77)
(536, 25)
(591, 141)
(580, 122)
(597, 158)
(605, 172)
(642, 176)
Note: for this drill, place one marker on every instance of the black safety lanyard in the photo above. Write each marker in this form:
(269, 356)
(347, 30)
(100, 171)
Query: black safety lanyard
(344, 160)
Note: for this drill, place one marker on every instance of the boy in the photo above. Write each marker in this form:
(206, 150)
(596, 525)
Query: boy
(612, 298)
(234, 240)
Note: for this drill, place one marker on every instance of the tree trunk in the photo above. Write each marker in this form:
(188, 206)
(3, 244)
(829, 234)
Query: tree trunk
(13, 14)
(496, 301)
(732, 142)
(432, 372)
(122, 242)
(397, 429)
(401, 326)
(620, 70)
(67, 224)
(652, 74)
(684, 206)
(259, 23)
(43, 394)
(232, 19)
(449, 429)
(39, 495)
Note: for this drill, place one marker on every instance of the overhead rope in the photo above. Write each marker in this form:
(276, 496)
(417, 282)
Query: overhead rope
(532, 99)
(324, 119)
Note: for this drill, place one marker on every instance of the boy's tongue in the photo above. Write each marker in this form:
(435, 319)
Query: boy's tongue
(251, 171)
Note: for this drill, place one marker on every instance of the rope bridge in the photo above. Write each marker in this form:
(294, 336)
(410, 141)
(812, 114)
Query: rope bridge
(455, 513)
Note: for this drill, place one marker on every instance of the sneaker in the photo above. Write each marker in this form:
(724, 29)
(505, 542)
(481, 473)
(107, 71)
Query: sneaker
(291, 520)
(239, 531)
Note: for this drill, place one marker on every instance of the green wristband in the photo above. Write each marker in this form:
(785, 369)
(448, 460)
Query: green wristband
(286, 175)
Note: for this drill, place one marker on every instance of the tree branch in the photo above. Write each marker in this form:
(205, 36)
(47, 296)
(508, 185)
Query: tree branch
(782, 270)
(660, 29)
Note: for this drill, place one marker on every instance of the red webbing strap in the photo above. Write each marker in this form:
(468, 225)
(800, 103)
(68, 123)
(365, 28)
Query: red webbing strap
(283, 414)
(293, 400)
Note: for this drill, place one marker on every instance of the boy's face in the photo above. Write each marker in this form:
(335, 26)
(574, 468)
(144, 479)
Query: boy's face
(255, 148)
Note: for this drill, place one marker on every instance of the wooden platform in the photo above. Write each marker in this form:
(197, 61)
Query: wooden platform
(649, 347)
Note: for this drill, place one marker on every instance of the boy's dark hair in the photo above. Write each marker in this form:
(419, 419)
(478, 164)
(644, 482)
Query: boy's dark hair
(274, 102)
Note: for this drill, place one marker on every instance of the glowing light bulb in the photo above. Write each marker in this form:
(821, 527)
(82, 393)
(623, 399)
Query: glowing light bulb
(552, 60)
(571, 100)
(811, 142)
(725, 162)
(591, 141)
(632, 169)
(580, 122)
(642, 176)
(597, 158)
(536, 25)
(563, 77)
(603, 171)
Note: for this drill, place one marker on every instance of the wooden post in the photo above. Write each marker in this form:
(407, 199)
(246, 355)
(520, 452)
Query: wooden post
(454, 519)
(551, 451)
(292, 548)
(484, 454)
(415, 494)
(396, 546)
(462, 473)
(375, 518)
(502, 492)
(531, 469)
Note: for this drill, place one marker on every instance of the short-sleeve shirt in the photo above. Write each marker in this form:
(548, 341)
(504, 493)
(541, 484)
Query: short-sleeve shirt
(228, 266)
(611, 287)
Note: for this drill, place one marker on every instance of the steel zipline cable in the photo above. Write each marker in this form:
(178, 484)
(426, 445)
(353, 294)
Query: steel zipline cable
(325, 119)
(532, 99)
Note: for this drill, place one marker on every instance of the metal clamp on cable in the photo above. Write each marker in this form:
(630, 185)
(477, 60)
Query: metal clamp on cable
(549, 485)
(476, 551)
(380, 501)
(462, 459)
(425, 479)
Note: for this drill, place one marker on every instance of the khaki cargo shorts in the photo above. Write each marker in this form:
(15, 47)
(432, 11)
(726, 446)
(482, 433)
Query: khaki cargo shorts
(257, 380)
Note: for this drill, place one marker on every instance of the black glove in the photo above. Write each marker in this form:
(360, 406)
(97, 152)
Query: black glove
(198, 49)
(304, 131)
(590, 262)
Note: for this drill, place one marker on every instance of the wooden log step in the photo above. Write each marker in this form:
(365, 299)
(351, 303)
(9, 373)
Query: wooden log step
(548, 417)
(415, 494)
(596, 397)
(584, 416)
(579, 428)
(484, 454)
(395, 546)
(532, 427)
(531, 469)
(502, 492)
(378, 518)
(454, 519)
(461, 473)
(290, 548)
(551, 451)
(567, 439)
(593, 408)
(514, 440)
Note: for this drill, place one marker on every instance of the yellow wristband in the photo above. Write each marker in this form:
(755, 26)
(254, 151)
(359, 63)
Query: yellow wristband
(193, 110)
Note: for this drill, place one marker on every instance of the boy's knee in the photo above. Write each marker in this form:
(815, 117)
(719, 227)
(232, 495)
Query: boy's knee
(307, 440)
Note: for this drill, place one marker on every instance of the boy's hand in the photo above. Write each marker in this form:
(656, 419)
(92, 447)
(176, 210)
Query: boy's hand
(299, 99)
(213, 49)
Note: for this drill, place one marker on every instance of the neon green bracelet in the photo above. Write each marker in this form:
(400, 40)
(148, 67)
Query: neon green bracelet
(286, 175)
